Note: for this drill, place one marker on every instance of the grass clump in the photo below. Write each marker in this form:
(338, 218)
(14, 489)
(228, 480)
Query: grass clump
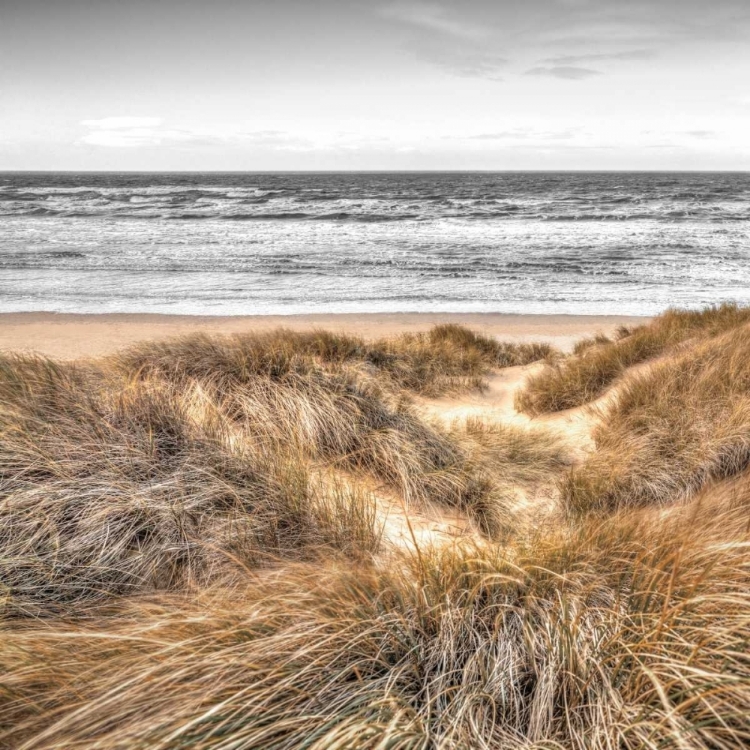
(515, 461)
(517, 454)
(628, 634)
(341, 416)
(596, 365)
(670, 430)
(111, 487)
(447, 357)
(598, 340)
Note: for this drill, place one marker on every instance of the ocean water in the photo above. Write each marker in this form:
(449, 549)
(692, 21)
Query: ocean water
(257, 243)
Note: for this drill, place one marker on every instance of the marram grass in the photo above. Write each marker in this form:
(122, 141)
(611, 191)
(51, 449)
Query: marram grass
(568, 383)
(631, 633)
(670, 430)
(191, 553)
(163, 465)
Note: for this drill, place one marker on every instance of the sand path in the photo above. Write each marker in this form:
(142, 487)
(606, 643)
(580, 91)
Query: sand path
(435, 525)
(420, 528)
(495, 404)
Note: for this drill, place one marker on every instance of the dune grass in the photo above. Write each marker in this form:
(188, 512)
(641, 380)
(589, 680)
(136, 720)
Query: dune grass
(598, 340)
(628, 634)
(109, 487)
(191, 554)
(670, 430)
(509, 459)
(596, 364)
(344, 415)
(520, 455)
(158, 468)
(446, 358)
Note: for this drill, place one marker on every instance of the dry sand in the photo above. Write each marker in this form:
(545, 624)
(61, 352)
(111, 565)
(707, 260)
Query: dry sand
(71, 336)
(496, 403)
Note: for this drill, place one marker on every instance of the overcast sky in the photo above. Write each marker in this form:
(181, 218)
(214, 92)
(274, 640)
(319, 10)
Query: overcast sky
(355, 84)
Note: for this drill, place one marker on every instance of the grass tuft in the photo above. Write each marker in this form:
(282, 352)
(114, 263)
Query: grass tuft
(446, 358)
(624, 634)
(111, 487)
(670, 430)
(584, 377)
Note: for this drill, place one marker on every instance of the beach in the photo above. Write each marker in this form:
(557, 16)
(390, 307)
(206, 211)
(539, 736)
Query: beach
(375, 375)
(71, 336)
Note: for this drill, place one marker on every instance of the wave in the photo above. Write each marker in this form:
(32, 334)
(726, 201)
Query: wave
(374, 198)
(280, 216)
(159, 211)
(64, 254)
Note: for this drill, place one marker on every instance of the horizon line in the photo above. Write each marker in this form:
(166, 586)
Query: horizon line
(372, 171)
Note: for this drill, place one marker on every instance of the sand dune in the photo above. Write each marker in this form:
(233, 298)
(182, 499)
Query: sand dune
(304, 534)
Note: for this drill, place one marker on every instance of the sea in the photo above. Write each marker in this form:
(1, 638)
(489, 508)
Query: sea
(287, 243)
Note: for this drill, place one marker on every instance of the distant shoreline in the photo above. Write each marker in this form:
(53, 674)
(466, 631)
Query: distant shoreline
(369, 171)
(73, 335)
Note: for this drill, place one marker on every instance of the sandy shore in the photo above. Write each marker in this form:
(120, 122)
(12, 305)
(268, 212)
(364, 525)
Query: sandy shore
(73, 336)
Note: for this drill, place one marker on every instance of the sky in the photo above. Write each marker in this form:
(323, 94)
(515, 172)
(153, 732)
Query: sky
(374, 84)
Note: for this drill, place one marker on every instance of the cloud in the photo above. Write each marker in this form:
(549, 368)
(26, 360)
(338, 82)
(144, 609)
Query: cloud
(115, 123)
(432, 17)
(463, 63)
(679, 139)
(135, 132)
(126, 132)
(626, 55)
(501, 135)
(448, 41)
(565, 72)
(527, 134)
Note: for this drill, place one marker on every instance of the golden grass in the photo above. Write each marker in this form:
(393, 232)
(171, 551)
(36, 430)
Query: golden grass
(190, 556)
(599, 340)
(507, 458)
(161, 466)
(109, 487)
(520, 455)
(631, 633)
(448, 357)
(671, 429)
(565, 384)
